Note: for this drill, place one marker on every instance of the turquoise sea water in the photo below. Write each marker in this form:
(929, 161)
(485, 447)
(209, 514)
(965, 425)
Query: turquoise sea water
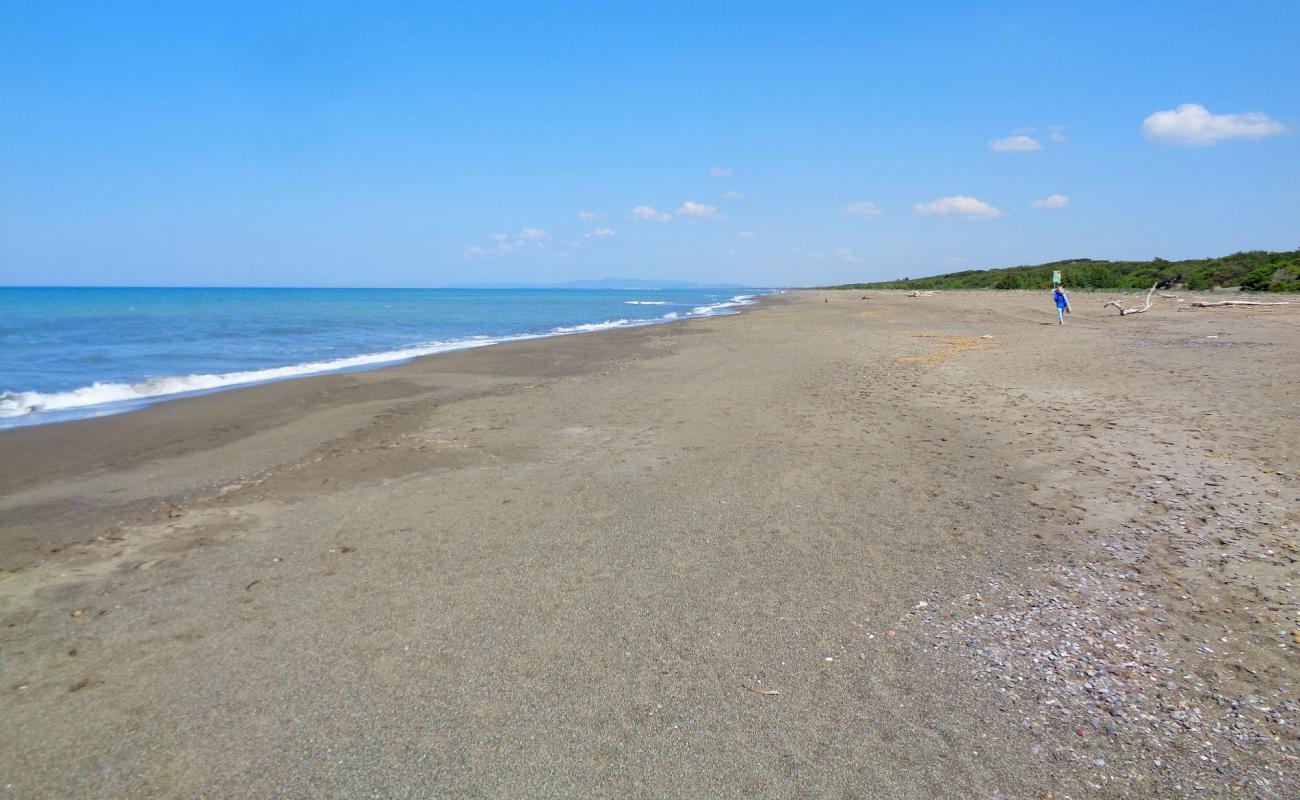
(67, 353)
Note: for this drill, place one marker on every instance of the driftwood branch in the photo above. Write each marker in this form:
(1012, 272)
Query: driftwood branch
(1202, 304)
(1124, 312)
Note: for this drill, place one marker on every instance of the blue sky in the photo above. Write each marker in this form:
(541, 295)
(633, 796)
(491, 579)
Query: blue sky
(389, 144)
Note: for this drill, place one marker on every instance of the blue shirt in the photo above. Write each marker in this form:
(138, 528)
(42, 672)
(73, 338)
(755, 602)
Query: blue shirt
(1060, 299)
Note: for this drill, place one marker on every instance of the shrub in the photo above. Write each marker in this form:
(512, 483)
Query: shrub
(1258, 279)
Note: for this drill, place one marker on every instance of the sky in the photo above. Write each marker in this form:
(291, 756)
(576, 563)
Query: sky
(434, 144)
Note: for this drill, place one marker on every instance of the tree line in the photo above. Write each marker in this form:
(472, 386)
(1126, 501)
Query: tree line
(1256, 271)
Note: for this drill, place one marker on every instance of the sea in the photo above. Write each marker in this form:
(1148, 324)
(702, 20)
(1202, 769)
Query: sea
(72, 353)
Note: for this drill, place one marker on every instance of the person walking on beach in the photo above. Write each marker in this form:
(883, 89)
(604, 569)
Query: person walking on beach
(1062, 304)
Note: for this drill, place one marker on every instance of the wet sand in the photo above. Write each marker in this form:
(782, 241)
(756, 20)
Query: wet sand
(883, 547)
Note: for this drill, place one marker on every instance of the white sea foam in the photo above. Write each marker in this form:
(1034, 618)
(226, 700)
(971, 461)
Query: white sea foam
(112, 397)
(590, 327)
(644, 302)
(19, 404)
(738, 300)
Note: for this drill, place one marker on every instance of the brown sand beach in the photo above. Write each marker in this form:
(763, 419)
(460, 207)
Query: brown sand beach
(867, 548)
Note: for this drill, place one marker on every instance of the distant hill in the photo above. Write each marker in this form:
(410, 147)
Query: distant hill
(1258, 270)
(605, 283)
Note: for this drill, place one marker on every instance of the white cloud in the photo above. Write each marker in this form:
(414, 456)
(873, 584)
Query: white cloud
(745, 235)
(1056, 133)
(1014, 144)
(588, 215)
(649, 214)
(846, 255)
(719, 172)
(531, 238)
(862, 208)
(1192, 124)
(698, 211)
(586, 238)
(498, 249)
(732, 194)
(958, 206)
(1052, 201)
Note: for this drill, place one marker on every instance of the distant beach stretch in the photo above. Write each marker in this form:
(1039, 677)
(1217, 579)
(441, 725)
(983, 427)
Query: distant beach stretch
(839, 544)
(75, 353)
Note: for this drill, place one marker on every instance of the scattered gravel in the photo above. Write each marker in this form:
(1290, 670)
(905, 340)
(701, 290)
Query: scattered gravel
(1125, 656)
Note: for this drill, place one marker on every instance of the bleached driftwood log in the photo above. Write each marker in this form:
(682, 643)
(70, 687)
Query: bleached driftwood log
(1203, 304)
(915, 293)
(1124, 312)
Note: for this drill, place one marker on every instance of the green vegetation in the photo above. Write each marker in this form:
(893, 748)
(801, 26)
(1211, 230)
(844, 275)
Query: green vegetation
(1256, 271)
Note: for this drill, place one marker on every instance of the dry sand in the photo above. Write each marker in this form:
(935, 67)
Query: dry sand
(851, 548)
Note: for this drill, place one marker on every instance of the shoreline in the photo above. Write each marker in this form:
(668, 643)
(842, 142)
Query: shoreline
(813, 549)
(128, 398)
(109, 453)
